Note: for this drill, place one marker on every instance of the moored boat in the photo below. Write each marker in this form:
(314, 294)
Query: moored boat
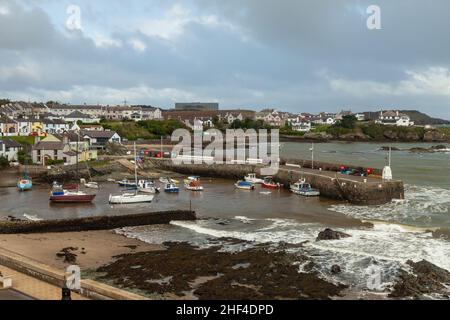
(304, 189)
(245, 185)
(251, 177)
(129, 198)
(269, 183)
(127, 184)
(193, 184)
(146, 186)
(25, 184)
(71, 197)
(171, 188)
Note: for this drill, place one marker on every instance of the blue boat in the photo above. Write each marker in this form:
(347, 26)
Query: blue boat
(25, 183)
(245, 185)
(171, 188)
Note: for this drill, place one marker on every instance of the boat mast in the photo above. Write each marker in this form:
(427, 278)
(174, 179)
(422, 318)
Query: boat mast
(312, 156)
(135, 167)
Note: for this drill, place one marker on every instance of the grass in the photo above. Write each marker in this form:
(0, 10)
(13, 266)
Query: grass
(23, 140)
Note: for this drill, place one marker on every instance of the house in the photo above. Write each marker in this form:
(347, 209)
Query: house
(342, 114)
(394, 118)
(79, 145)
(301, 126)
(8, 127)
(272, 117)
(51, 148)
(10, 149)
(360, 116)
(55, 126)
(37, 127)
(23, 127)
(99, 139)
(77, 116)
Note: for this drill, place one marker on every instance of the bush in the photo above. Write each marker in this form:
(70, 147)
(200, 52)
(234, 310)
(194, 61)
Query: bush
(4, 162)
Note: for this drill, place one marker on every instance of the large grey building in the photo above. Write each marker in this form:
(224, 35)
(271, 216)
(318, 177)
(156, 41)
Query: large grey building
(201, 106)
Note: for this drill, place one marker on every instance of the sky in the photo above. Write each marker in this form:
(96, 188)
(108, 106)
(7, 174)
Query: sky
(292, 55)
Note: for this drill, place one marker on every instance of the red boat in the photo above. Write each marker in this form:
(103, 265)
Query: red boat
(269, 183)
(72, 197)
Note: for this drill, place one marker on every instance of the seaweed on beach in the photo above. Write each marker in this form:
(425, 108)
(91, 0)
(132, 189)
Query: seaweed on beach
(183, 269)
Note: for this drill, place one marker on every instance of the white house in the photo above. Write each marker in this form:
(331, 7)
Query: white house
(10, 149)
(395, 118)
(301, 126)
(99, 139)
(76, 116)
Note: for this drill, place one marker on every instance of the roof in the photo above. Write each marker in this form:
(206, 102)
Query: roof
(11, 143)
(6, 120)
(98, 134)
(70, 153)
(44, 145)
(78, 115)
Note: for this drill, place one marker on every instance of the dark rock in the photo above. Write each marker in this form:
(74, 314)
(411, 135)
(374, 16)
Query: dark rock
(434, 136)
(329, 234)
(391, 135)
(424, 278)
(336, 269)
(384, 148)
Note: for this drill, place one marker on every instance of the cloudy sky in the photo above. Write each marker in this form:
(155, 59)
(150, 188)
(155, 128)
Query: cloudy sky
(295, 55)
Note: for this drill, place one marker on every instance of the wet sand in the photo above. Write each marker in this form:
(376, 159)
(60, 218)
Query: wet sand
(99, 247)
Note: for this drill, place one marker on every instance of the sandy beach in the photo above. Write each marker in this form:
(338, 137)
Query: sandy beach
(99, 247)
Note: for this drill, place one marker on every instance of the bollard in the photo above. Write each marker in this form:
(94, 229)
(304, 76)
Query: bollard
(66, 294)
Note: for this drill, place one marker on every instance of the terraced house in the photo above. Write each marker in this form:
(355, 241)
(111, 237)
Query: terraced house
(8, 127)
(10, 149)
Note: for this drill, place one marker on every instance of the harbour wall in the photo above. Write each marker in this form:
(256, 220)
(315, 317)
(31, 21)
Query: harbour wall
(332, 185)
(94, 223)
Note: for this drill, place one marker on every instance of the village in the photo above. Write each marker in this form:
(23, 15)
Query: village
(64, 134)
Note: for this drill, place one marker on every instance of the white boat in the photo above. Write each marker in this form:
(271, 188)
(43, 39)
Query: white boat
(128, 198)
(251, 177)
(304, 189)
(244, 185)
(145, 186)
(166, 180)
(193, 184)
(89, 185)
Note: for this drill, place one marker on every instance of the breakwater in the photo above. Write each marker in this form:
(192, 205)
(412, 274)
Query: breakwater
(333, 185)
(94, 223)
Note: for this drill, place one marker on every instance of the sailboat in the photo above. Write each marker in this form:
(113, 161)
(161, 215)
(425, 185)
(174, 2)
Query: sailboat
(128, 198)
(25, 183)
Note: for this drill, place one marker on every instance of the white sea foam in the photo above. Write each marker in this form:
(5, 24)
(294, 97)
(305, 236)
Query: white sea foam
(420, 203)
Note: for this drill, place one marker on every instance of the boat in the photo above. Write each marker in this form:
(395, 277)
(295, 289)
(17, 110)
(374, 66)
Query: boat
(171, 188)
(127, 184)
(166, 180)
(129, 198)
(146, 186)
(65, 196)
(269, 183)
(193, 184)
(304, 189)
(89, 185)
(251, 177)
(245, 185)
(25, 183)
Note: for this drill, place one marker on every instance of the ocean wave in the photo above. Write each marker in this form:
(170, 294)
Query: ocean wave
(420, 204)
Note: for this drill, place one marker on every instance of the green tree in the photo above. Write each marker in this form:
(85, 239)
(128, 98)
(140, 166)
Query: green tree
(4, 162)
(347, 122)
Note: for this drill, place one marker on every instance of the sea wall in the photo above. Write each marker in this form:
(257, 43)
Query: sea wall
(94, 223)
(331, 184)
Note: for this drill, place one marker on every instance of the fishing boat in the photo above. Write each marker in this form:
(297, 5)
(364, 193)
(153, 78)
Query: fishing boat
(171, 188)
(304, 189)
(251, 177)
(145, 186)
(269, 183)
(65, 196)
(245, 185)
(193, 184)
(127, 184)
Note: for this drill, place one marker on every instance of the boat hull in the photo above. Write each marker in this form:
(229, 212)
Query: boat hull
(172, 190)
(24, 186)
(72, 198)
(130, 199)
(271, 186)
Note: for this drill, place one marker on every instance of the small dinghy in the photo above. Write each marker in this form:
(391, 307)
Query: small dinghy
(245, 185)
(304, 189)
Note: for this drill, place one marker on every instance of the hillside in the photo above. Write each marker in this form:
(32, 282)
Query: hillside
(418, 117)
